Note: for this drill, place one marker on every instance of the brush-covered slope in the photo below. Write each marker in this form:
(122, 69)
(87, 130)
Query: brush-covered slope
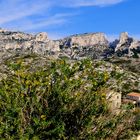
(44, 98)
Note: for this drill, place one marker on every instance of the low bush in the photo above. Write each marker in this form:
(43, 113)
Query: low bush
(60, 101)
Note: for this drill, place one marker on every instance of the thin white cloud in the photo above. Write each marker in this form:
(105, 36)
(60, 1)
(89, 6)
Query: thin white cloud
(35, 14)
(58, 19)
(49, 22)
(85, 3)
(15, 10)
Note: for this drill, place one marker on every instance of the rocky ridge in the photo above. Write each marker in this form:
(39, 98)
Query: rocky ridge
(94, 45)
(127, 46)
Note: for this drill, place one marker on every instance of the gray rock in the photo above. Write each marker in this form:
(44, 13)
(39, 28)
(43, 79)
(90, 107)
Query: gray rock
(127, 46)
(134, 49)
(41, 37)
(93, 45)
(85, 45)
(86, 40)
(122, 47)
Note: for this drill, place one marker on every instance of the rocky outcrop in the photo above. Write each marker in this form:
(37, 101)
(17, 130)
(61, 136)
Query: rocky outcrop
(6, 35)
(127, 46)
(134, 49)
(86, 40)
(124, 44)
(93, 45)
(13, 40)
(78, 46)
(41, 37)
(22, 42)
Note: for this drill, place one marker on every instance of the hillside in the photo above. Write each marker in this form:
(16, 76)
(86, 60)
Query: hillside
(58, 89)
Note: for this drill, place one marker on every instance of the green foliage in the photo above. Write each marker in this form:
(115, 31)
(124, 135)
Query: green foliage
(59, 101)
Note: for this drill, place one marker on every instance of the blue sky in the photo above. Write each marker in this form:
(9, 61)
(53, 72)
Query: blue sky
(65, 17)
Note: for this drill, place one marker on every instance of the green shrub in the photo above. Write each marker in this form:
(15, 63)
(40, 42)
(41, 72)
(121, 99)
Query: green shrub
(59, 101)
(48, 103)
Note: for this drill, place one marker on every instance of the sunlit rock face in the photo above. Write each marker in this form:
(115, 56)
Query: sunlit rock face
(90, 39)
(134, 49)
(93, 45)
(86, 39)
(13, 40)
(127, 46)
(124, 37)
(75, 46)
(41, 37)
(124, 44)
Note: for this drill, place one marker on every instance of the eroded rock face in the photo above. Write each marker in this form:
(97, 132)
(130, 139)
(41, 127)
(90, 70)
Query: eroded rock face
(41, 37)
(93, 45)
(53, 45)
(77, 46)
(86, 40)
(21, 42)
(8, 36)
(13, 40)
(124, 37)
(124, 44)
(127, 46)
(134, 49)
(135, 44)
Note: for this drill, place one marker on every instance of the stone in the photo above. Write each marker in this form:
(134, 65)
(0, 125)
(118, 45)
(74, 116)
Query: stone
(135, 44)
(123, 37)
(84, 45)
(122, 47)
(53, 45)
(86, 40)
(134, 49)
(93, 45)
(41, 37)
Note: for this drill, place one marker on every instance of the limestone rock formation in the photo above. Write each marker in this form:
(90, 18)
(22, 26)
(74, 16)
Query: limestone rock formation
(127, 46)
(13, 40)
(22, 42)
(86, 40)
(93, 45)
(77, 46)
(41, 37)
(14, 36)
(85, 45)
(124, 44)
(134, 49)
(123, 37)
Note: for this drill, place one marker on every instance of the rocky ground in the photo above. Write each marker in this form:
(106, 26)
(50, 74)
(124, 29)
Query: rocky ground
(121, 77)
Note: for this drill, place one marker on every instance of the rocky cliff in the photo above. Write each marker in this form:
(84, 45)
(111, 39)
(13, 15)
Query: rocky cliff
(94, 45)
(78, 46)
(127, 46)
